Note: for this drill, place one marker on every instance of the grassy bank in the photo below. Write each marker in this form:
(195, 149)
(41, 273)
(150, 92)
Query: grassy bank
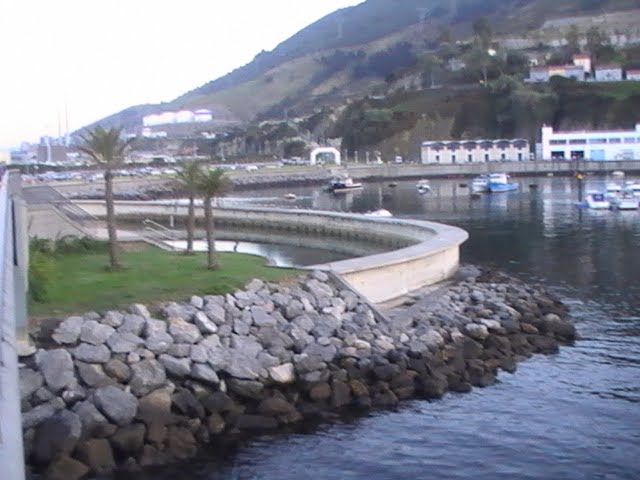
(81, 283)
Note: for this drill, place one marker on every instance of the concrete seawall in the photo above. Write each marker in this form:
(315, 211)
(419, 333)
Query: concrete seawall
(423, 253)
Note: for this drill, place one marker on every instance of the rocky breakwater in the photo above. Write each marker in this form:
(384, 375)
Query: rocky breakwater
(125, 390)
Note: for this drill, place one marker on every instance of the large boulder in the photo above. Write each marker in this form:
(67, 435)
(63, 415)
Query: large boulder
(184, 332)
(93, 374)
(68, 332)
(97, 454)
(124, 342)
(95, 333)
(148, 375)
(57, 368)
(117, 405)
(94, 424)
(176, 367)
(92, 353)
(155, 408)
(30, 381)
(57, 435)
(66, 468)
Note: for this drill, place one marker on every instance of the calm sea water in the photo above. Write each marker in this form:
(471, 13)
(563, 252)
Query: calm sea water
(574, 415)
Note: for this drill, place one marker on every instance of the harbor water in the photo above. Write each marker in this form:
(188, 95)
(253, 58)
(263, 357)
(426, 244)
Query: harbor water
(574, 415)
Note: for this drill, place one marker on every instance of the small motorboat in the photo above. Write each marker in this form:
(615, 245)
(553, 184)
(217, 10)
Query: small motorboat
(625, 202)
(480, 184)
(617, 173)
(501, 182)
(343, 184)
(423, 186)
(614, 188)
(597, 201)
(290, 196)
(393, 184)
(633, 187)
(379, 213)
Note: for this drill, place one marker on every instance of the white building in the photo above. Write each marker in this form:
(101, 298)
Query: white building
(583, 60)
(633, 74)
(591, 145)
(475, 151)
(608, 73)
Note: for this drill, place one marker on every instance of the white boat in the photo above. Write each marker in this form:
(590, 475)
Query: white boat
(625, 202)
(501, 182)
(379, 213)
(480, 184)
(343, 184)
(617, 173)
(613, 188)
(597, 201)
(290, 196)
(633, 187)
(423, 186)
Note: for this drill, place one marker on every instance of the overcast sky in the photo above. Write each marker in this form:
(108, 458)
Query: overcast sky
(99, 57)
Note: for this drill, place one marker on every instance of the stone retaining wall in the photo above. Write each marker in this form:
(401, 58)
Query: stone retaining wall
(130, 389)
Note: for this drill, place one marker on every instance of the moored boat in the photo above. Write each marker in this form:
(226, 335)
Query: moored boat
(501, 182)
(597, 201)
(480, 184)
(625, 202)
(343, 184)
(423, 186)
(383, 212)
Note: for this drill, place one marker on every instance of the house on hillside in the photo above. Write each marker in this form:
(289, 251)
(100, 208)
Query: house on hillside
(608, 73)
(544, 73)
(474, 151)
(633, 74)
(583, 60)
(591, 145)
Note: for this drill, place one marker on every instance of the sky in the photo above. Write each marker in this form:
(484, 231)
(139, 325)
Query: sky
(93, 58)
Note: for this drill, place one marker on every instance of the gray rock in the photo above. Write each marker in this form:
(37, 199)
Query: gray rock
(324, 353)
(204, 373)
(199, 354)
(248, 345)
(98, 455)
(159, 342)
(92, 353)
(73, 394)
(177, 367)
(183, 332)
(129, 440)
(203, 322)
(283, 374)
(57, 368)
(30, 382)
(113, 318)
(197, 302)
(68, 331)
(293, 310)
(147, 376)
(304, 323)
(477, 332)
(246, 388)
(117, 405)
(216, 313)
(155, 408)
(95, 333)
(42, 395)
(261, 318)
(254, 285)
(432, 339)
(37, 415)
(326, 326)
(92, 374)
(305, 363)
(154, 326)
(271, 337)
(318, 289)
(218, 358)
(124, 342)
(242, 325)
(56, 436)
(320, 276)
(140, 310)
(179, 350)
(133, 324)
(94, 424)
(241, 365)
(133, 357)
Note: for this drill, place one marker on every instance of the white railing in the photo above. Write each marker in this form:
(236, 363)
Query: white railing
(12, 300)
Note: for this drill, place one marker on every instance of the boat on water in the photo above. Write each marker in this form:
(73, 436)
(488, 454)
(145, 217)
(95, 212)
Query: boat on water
(597, 201)
(626, 201)
(617, 173)
(501, 182)
(480, 184)
(343, 184)
(614, 188)
(290, 196)
(383, 212)
(423, 186)
(633, 187)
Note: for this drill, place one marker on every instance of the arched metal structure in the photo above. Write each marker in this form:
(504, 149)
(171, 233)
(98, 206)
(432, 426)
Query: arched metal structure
(336, 154)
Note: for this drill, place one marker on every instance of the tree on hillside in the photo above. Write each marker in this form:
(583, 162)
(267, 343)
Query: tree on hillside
(483, 33)
(431, 69)
(573, 39)
(212, 184)
(107, 148)
(189, 178)
(596, 39)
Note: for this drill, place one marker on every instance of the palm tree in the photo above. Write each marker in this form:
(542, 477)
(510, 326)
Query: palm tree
(107, 148)
(189, 178)
(213, 183)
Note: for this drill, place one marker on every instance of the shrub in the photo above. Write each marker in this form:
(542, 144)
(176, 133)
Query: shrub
(41, 271)
(69, 245)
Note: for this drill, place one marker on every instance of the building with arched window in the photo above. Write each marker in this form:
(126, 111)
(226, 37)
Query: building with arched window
(475, 151)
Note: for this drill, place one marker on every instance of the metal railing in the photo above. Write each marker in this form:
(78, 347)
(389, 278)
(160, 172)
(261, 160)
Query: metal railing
(158, 234)
(44, 194)
(12, 315)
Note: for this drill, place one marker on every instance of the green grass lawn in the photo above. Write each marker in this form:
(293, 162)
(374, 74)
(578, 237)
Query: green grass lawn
(81, 282)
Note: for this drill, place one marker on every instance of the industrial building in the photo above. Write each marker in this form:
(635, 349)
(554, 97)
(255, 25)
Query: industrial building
(475, 151)
(591, 145)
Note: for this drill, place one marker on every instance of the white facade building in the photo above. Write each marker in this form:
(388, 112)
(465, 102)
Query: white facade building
(475, 151)
(633, 75)
(591, 145)
(608, 73)
(183, 116)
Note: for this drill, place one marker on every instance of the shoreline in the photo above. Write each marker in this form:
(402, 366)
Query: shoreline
(125, 391)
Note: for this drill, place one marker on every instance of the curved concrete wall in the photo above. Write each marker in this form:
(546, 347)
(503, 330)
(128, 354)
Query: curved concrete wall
(423, 253)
